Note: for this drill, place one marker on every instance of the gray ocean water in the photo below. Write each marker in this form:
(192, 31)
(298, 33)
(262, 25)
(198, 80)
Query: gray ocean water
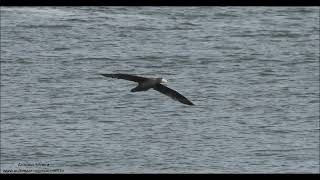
(253, 73)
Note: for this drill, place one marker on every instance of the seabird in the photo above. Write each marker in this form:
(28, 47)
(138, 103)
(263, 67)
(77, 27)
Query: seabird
(154, 83)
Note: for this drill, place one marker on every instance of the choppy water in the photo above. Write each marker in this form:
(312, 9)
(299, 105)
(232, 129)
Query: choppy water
(253, 73)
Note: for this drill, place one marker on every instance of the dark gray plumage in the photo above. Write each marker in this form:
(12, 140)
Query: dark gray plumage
(148, 83)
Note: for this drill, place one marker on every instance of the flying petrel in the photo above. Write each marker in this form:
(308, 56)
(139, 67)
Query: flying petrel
(148, 83)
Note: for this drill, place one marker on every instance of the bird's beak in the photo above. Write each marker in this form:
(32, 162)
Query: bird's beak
(163, 81)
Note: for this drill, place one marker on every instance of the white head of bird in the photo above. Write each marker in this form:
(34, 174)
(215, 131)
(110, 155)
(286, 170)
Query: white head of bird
(163, 81)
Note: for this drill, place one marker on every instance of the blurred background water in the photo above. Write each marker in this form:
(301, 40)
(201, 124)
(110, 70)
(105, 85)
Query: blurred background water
(253, 73)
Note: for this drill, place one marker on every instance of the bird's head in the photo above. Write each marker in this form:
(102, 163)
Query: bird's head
(163, 81)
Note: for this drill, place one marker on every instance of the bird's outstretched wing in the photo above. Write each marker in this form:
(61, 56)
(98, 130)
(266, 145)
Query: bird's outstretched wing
(172, 93)
(126, 77)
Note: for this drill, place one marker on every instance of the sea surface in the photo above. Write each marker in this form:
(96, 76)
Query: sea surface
(252, 73)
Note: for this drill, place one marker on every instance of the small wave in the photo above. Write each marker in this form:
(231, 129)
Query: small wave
(283, 34)
(24, 61)
(141, 28)
(189, 24)
(225, 15)
(76, 20)
(179, 28)
(94, 59)
(45, 26)
(314, 101)
(60, 49)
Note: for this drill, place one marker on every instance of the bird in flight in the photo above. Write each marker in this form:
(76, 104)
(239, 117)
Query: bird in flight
(154, 83)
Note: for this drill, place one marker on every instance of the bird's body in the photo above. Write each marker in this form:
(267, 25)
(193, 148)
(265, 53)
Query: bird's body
(147, 84)
(154, 83)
